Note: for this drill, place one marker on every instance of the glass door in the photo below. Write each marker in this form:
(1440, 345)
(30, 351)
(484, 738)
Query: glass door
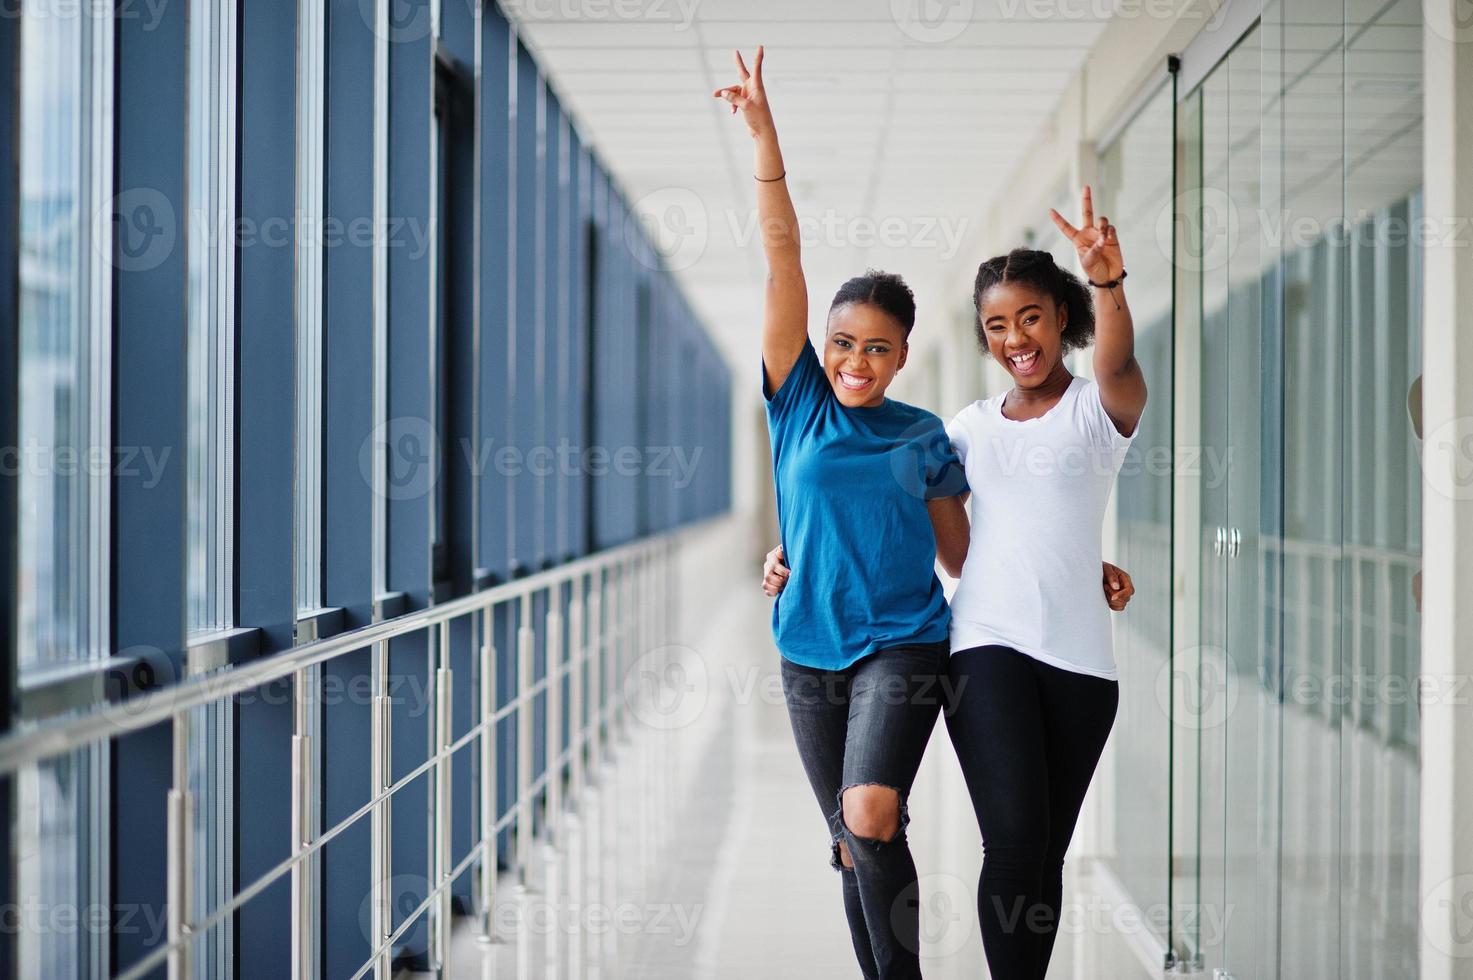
(1227, 873)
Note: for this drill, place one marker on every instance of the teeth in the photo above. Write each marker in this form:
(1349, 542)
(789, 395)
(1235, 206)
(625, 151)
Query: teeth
(1022, 360)
(850, 381)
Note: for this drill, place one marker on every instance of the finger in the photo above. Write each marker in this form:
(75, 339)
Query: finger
(757, 66)
(741, 65)
(781, 571)
(1087, 207)
(1063, 225)
(1102, 224)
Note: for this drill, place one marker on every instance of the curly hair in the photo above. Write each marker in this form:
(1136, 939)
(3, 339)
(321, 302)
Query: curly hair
(1030, 267)
(885, 291)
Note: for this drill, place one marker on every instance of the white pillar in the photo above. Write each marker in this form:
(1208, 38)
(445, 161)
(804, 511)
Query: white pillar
(1447, 513)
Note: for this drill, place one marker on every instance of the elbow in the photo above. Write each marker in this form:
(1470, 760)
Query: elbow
(952, 560)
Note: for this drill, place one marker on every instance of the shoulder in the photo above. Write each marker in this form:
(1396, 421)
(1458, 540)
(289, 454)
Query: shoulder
(914, 415)
(1090, 414)
(970, 415)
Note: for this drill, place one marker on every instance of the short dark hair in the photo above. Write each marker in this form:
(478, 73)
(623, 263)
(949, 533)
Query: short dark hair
(1031, 267)
(884, 290)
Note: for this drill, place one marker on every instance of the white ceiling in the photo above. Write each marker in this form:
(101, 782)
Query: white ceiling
(896, 130)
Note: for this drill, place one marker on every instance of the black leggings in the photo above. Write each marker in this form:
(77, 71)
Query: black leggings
(1028, 735)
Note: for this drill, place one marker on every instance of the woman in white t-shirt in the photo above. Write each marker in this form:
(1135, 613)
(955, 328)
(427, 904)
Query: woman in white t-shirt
(1030, 635)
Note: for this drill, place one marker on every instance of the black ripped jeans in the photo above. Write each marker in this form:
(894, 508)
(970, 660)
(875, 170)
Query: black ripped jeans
(868, 724)
(1028, 735)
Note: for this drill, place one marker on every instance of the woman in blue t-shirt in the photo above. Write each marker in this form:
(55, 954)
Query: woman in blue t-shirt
(862, 625)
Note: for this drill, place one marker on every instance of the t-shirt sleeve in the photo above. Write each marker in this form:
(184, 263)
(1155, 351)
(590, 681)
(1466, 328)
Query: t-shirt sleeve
(960, 436)
(946, 476)
(805, 385)
(1098, 424)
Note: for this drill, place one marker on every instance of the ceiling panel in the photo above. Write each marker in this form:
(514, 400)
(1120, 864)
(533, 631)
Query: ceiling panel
(896, 132)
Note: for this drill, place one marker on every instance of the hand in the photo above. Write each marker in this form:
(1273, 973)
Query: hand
(1095, 241)
(749, 96)
(1118, 587)
(774, 572)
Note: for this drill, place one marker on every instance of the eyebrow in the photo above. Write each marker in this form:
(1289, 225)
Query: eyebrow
(1021, 311)
(871, 340)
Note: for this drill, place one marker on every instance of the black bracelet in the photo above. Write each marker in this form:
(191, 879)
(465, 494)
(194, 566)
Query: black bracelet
(770, 180)
(1107, 285)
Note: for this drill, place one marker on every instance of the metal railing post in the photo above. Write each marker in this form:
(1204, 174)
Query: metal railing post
(302, 825)
(381, 858)
(180, 857)
(577, 726)
(441, 812)
(553, 717)
(526, 642)
(552, 740)
(597, 643)
(488, 814)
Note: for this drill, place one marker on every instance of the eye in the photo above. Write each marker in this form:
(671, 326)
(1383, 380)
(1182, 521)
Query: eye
(878, 350)
(841, 343)
(1031, 318)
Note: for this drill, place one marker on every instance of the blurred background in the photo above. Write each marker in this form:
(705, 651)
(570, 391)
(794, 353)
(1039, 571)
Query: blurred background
(386, 475)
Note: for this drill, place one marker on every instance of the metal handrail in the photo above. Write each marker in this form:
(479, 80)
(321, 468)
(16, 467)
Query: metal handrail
(609, 609)
(33, 744)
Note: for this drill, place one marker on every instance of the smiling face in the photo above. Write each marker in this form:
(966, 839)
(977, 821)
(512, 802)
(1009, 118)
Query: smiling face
(864, 349)
(1024, 329)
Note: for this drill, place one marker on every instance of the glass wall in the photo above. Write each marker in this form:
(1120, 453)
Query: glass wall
(617, 462)
(65, 123)
(1135, 182)
(1298, 325)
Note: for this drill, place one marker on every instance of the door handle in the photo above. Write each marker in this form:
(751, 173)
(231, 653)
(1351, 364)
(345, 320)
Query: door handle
(1219, 542)
(1235, 542)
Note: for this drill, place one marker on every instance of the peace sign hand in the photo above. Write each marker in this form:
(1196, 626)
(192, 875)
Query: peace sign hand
(749, 96)
(1095, 241)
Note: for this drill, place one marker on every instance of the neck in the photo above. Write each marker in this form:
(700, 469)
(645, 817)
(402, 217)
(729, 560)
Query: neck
(1049, 390)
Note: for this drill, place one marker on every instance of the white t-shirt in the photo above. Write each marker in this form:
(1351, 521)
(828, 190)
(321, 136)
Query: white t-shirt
(1039, 488)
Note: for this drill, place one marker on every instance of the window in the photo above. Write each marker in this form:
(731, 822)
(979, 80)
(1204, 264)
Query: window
(65, 122)
(210, 229)
(310, 131)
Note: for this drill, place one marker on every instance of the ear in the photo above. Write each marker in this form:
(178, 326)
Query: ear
(1063, 317)
(904, 351)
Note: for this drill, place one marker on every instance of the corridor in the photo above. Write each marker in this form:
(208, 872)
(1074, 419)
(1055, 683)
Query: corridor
(396, 406)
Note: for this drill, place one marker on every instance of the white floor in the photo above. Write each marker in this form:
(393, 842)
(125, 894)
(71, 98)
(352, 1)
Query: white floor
(731, 878)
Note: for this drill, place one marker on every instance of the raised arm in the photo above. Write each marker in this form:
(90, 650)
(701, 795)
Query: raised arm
(785, 313)
(1122, 385)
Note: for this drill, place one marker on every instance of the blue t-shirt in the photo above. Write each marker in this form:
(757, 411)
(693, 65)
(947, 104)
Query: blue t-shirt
(852, 486)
